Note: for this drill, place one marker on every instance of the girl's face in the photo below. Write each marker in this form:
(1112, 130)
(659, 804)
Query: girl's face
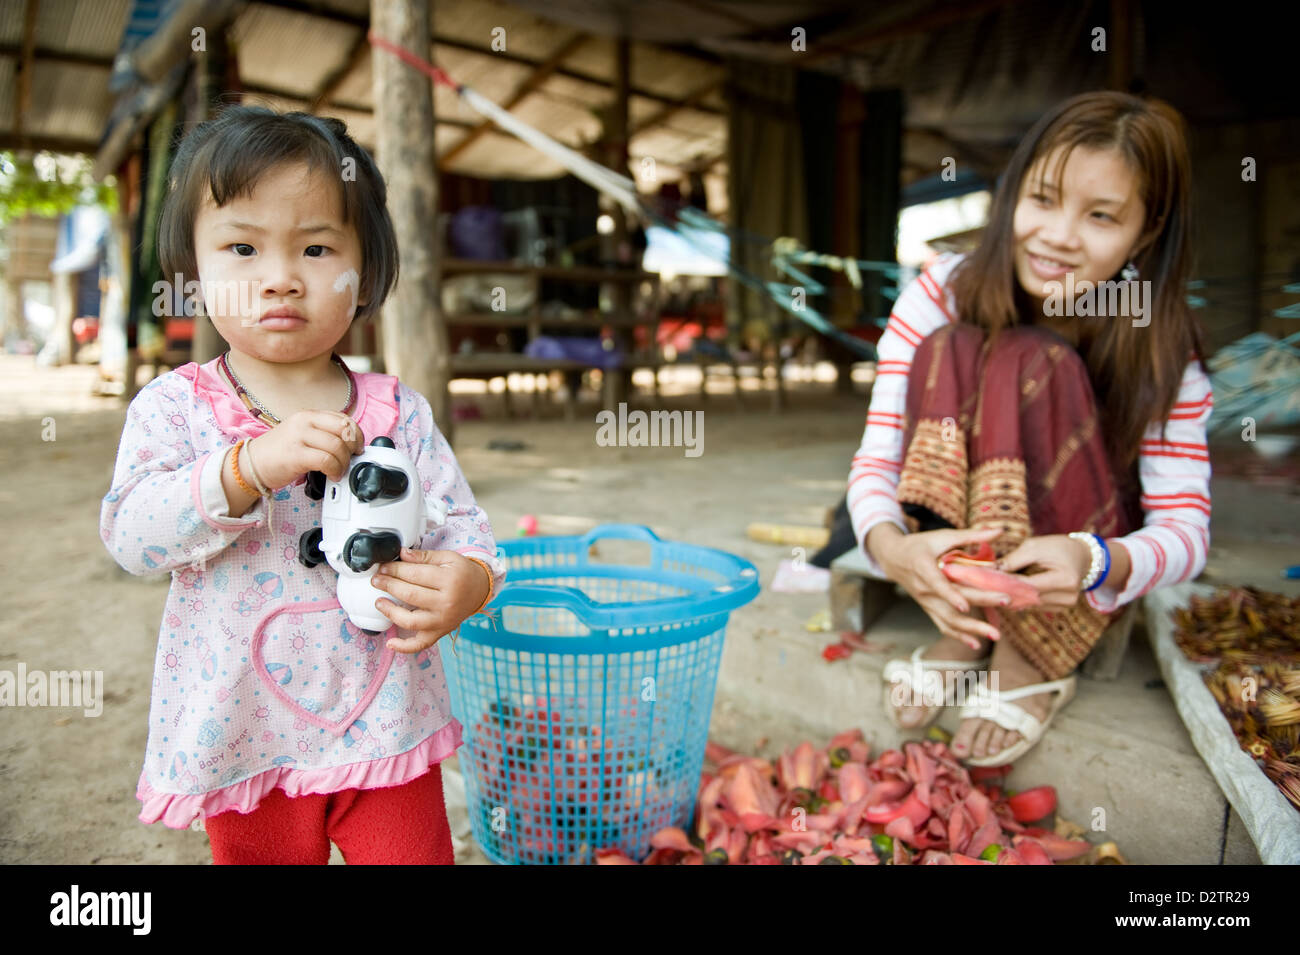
(1087, 224)
(279, 269)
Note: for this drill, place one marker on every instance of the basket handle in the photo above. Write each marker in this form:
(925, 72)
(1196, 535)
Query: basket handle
(567, 598)
(635, 532)
(595, 616)
(632, 532)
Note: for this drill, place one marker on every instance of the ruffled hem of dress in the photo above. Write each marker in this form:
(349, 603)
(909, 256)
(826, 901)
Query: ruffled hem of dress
(376, 411)
(179, 810)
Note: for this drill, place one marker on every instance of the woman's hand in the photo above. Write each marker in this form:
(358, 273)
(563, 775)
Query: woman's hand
(306, 441)
(912, 562)
(1065, 563)
(442, 588)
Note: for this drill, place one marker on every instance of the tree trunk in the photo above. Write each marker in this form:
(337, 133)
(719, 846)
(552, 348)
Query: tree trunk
(415, 346)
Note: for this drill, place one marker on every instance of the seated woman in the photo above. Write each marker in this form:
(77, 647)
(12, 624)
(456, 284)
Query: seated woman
(1007, 409)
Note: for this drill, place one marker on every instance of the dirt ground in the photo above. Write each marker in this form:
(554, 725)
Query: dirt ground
(67, 781)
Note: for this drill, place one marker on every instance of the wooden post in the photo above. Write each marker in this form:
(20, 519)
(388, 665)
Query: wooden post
(1121, 45)
(618, 381)
(209, 76)
(65, 310)
(415, 345)
(15, 321)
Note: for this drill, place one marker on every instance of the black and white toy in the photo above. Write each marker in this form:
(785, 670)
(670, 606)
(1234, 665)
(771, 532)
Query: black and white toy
(366, 519)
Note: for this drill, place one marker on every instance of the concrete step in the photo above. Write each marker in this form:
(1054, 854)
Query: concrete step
(1118, 754)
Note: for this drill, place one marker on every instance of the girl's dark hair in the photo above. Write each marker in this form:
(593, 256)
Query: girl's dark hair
(226, 156)
(1135, 370)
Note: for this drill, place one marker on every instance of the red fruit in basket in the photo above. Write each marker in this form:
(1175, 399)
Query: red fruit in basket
(1033, 804)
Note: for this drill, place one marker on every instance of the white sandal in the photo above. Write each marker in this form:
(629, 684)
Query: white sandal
(898, 679)
(995, 706)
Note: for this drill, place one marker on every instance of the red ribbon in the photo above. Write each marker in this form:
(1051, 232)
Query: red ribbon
(434, 73)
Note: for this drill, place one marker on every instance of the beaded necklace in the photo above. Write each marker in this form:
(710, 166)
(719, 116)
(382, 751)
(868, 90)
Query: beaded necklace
(259, 410)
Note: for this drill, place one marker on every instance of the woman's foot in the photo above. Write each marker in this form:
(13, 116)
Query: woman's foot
(977, 738)
(945, 648)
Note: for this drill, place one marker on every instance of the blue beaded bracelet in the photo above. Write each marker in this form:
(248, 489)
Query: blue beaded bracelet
(1105, 571)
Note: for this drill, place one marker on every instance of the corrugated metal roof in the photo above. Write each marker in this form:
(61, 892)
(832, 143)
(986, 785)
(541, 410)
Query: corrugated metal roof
(74, 26)
(70, 101)
(11, 23)
(288, 51)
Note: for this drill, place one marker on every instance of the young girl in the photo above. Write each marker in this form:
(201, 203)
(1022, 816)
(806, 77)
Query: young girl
(274, 719)
(1020, 403)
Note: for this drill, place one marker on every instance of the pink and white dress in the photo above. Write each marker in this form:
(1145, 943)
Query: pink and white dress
(260, 680)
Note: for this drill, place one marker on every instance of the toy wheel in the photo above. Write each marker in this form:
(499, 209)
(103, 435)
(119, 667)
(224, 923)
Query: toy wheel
(315, 485)
(309, 552)
(364, 549)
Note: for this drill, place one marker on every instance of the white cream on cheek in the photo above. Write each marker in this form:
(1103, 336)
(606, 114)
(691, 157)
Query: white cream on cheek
(349, 280)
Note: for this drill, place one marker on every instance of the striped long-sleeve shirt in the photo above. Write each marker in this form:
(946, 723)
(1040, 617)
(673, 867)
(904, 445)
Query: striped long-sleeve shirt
(1174, 469)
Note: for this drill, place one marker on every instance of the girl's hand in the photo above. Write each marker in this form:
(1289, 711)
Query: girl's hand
(1065, 563)
(306, 441)
(441, 586)
(912, 562)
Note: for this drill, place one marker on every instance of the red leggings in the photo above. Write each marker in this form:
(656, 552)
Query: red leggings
(400, 825)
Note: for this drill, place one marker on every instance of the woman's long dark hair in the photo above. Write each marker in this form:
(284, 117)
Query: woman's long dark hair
(1135, 370)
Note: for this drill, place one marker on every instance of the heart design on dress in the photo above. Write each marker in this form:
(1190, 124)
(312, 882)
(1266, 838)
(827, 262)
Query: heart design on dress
(339, 675)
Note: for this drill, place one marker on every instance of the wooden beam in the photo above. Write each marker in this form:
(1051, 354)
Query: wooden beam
(539, 76)
(478, 49)
(256, 90)
(54, 144)
(704, 163)
(332, 82)
(46, 55)
(927, 22)
(24, 102)
(986, 161)
(690, 102)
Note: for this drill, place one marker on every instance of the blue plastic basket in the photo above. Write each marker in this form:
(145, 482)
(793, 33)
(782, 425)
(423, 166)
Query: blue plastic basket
(587, 693)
